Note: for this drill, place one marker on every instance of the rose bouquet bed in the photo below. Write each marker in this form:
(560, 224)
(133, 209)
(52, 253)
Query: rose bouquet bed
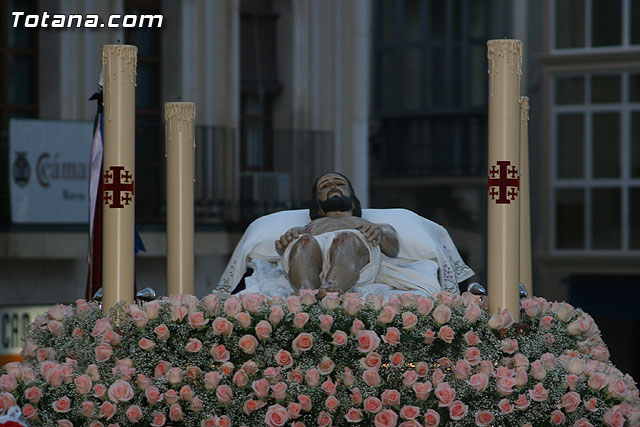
(344, 360)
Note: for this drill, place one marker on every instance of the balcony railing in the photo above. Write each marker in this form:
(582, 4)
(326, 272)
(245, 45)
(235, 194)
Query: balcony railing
(429, 147)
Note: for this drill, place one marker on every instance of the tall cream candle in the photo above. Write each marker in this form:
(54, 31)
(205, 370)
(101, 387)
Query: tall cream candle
(503, 270)
(525, 199)
(119, 64)
(180, 143)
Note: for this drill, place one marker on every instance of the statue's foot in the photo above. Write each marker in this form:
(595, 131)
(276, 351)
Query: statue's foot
(305, 285)
(327, 288)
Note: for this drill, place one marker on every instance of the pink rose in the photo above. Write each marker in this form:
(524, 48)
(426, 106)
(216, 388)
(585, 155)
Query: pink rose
(471, 338)
(484, 418)
(462, 369)
(197, 320)
(324, 419)
(193, 372)
(409, 412)
(582, 422)
(386, 418)
(251, 405)
(539, 393)
(279, 390)
(392, 337)
(429, 336)
(570, 401)
(295, 376)
(162, 368)
(162, 332)
(146, 344)
(326, 365)
(294, 410)
(232, 306)
(557, 418)
(300, 319)
(356, 326)
(175, 412)
(348, 378)
(276, 416)
(473, 313)
(445, 394)
(186, 393)
(354, 415)
(597, 381)
(83, 384)
(397, 359)
(224, 394)
(64, 423)
(445, 333)
(312, 377)
(194, 345)
(538, 371)
(356, 396)
(294, 304)
(372, 405)
(152, 308)
(367, 341)
(386, 315)
(284, 359)
(522, 403)
(591, 404)
(339, 338)
(479, 382)
(178, 312)
(308, 296)
(88, 409)
(614, 418)
(263, 330)
(326, 321)
(33, 394)
(409, 320)
(425, 304)
(62, 405)
(305, 402)
(437, 376)
(276, 315)
(250, 367)
(509, 345)
(457, 410)
(140, 318)
(211, 380)
(153, 395)
(617, 387)
(248, 344)
(99, 390)
(260, 388)
(120, 391)
(244, 319)
(174, 375)
(505, 406)
(196, 404)
(55, 328)
(422, 390)
(107, 410)
(252, 302)
(222, 326)
(496, 321)
(371, 377)
(331, 300)
(103, 352)
(390, 397)
(505, 385)
(134, 413)
(409, 378)
(442, 314)
(303, 342)
(219, 353)
(158, 419)
(431, 418)
(546, 322)
(331, 403)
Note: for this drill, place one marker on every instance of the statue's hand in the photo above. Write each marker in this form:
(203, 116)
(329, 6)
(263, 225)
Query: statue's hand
(372, 232)
(287, 238)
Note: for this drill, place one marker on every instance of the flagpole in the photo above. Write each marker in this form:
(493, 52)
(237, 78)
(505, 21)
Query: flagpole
(180, 146)
(118, 179)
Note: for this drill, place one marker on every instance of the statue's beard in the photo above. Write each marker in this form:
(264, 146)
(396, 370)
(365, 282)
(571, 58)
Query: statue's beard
(337, 203)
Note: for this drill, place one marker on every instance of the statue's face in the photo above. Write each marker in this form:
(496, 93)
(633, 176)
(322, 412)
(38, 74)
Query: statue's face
(332, 185)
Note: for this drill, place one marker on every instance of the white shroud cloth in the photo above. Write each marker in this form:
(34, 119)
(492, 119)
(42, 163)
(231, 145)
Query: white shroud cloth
(427, 263)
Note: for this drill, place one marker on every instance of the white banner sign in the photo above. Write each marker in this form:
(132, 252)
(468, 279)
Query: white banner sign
(14, 325)
(49, 171)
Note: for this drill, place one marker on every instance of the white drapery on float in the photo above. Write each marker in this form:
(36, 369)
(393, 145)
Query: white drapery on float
(428, 260)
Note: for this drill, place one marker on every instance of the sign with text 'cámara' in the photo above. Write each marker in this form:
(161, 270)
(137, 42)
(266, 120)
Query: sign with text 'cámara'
(49, 171)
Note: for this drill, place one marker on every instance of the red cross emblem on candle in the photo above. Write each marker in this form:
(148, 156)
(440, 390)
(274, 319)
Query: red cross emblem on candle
(118, 187)
(504, 182)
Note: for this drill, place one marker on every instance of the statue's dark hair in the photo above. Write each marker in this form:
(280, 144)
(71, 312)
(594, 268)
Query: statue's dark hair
(315, 211)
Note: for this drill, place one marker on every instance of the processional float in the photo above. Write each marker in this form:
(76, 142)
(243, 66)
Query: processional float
(509, 252)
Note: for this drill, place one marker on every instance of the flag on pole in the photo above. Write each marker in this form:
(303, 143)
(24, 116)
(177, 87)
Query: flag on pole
(94, 258)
